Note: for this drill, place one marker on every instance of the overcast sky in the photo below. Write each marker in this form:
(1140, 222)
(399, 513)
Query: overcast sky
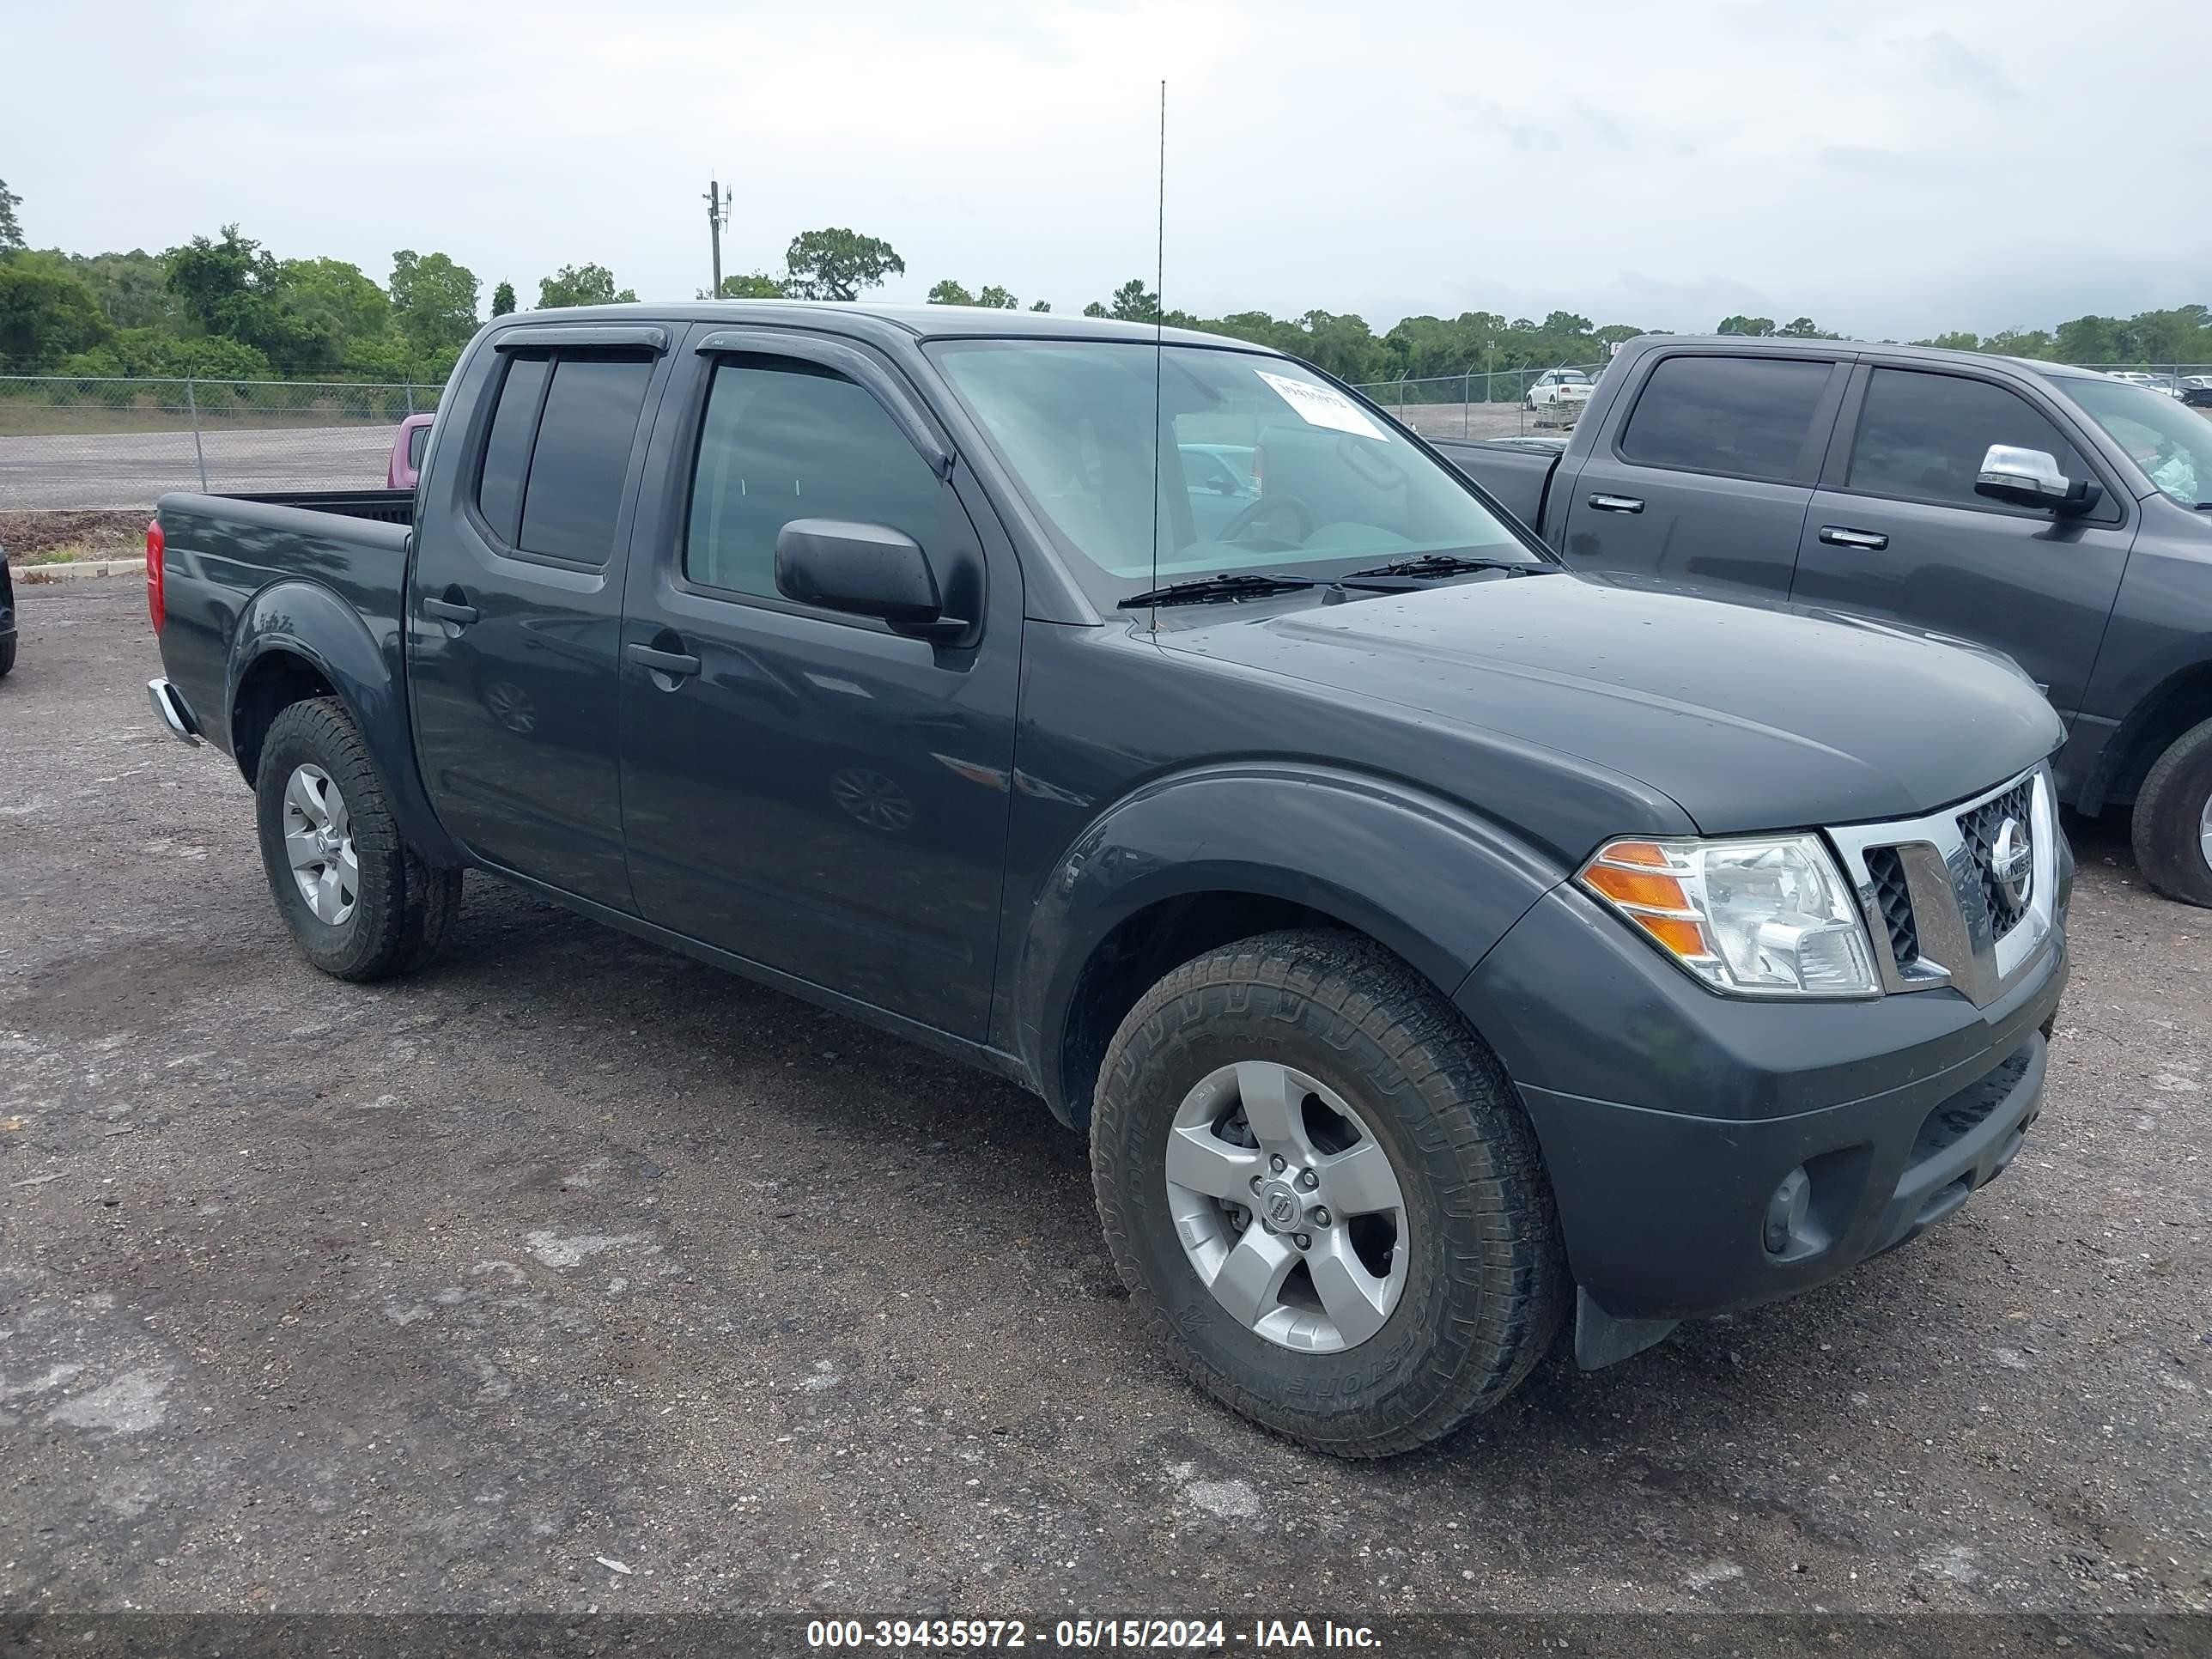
(1890, 169)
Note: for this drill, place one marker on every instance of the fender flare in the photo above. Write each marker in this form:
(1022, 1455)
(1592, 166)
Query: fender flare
(2188, 658)
(1429, 880)
(304, 619)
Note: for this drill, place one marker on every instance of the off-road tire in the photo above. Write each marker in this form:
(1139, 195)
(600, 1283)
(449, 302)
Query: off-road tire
(2169, 818)
(404, 907)
(1487, 1286)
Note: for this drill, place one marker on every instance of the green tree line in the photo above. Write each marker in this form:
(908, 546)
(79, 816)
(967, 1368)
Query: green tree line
(225, 307)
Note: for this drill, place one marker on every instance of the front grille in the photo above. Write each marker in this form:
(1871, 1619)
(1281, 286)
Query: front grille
(1895, 902)
(1979, 828)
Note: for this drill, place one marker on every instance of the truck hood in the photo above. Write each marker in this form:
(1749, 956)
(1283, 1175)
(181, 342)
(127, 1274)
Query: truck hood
(1749, 718)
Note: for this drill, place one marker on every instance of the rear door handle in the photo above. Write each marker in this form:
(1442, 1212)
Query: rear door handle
(676, 665)
(1866, 541)
(446, 610)
(1617, 503)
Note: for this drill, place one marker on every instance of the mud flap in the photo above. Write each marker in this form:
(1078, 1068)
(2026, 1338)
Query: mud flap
(1602, 1341)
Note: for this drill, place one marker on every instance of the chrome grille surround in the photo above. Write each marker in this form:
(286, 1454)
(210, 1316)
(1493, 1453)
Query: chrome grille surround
(1954, 928)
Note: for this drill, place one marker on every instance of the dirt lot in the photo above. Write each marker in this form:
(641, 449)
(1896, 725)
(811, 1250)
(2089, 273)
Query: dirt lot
(573, 1252)
(33, 538)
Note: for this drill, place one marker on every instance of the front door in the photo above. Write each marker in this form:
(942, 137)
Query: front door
(1896, 532)
(514, 608)
(810, 790)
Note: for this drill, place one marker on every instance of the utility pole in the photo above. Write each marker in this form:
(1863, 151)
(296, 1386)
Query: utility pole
(717, 215)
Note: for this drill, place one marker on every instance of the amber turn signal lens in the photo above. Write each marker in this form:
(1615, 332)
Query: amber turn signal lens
(1683, 936)
(1639, 887)
(1637, 878)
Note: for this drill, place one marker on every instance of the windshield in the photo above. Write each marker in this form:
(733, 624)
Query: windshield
(1263, 464)
(2169, 440)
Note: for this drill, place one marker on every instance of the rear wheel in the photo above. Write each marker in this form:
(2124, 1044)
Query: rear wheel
(1315, 1181)
(7, 655)
(360, 902)
(2172, 826)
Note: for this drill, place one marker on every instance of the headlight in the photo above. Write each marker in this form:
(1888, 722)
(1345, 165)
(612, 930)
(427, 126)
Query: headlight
(1767, 915)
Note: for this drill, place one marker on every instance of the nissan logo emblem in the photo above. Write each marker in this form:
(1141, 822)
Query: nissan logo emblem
(2012, 864)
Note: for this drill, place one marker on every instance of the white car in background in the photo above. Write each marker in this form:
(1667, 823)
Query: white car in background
(1560, 385)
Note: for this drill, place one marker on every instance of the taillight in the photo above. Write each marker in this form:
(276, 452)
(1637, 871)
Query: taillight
(156, 604)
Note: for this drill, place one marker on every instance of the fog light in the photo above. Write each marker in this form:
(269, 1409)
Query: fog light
(1785, 1211)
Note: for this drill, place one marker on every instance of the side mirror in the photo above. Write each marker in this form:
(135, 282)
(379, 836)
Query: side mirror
(2031, 477)
(864, 570)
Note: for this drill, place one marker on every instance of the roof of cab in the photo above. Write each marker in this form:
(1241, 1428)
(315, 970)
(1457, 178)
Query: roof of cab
(907, 322)
(1888, 350)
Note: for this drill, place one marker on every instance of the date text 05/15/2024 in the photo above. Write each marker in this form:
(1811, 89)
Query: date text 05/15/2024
(1170, 1635)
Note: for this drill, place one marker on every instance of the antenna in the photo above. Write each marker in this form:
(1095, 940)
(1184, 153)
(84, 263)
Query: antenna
(1159, 342)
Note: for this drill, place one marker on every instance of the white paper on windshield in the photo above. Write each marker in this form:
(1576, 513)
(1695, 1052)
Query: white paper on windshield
(1323, 406)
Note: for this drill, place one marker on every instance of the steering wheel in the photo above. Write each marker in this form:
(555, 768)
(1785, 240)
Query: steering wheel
(1265, 506)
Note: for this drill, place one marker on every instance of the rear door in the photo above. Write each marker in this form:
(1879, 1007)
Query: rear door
(1706, 481)
(514, 610)
(810, 790)
(1896, 531)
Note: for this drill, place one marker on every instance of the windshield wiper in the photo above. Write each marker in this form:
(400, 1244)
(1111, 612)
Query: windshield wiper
(1430, 565)
(1217, 590)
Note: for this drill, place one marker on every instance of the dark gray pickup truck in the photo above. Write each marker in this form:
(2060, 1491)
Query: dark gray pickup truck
(1435, 944)
(2059, 516)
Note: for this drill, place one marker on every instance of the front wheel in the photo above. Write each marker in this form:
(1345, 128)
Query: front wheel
(1317, 1183)
(360, 902)
(2172, 826)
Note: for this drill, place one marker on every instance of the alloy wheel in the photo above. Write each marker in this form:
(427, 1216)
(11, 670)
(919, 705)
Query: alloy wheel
(1287, 1207)
(319, 843)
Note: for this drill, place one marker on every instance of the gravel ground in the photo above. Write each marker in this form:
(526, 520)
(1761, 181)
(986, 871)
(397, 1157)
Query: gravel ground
(131, 469)
(572, 1252)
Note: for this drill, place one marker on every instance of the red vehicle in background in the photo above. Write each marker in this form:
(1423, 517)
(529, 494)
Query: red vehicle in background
(407, 447)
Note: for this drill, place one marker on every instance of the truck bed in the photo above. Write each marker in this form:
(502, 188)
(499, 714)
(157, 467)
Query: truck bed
(378, 506)
(232, 564)
(1517, 471)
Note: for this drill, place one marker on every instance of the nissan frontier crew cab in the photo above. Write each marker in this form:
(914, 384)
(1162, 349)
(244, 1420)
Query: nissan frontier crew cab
(1437, 946)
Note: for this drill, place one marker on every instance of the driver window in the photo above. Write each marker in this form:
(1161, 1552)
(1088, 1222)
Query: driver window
(784, 439)
(1921, 437)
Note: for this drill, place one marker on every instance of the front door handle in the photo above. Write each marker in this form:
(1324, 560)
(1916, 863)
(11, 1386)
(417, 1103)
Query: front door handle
(676, 665)
(447, 610)
(1617, 503)
(1866, 541)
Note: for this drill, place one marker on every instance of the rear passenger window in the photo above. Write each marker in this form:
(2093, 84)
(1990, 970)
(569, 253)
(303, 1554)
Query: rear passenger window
(506, 455)
(786, 440)
(1748, 417)
(559, 449)
(1922, 436)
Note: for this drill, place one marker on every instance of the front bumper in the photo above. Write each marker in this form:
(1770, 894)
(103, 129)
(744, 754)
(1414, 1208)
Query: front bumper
(1669, 1117)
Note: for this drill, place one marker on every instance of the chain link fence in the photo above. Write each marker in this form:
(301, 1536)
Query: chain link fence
(68, 442)
(1482, 404)
(72, 443)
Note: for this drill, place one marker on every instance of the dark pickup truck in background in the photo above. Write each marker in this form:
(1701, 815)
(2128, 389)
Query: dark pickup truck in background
(1434, 944)
(1868, 478)
(7, 615)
